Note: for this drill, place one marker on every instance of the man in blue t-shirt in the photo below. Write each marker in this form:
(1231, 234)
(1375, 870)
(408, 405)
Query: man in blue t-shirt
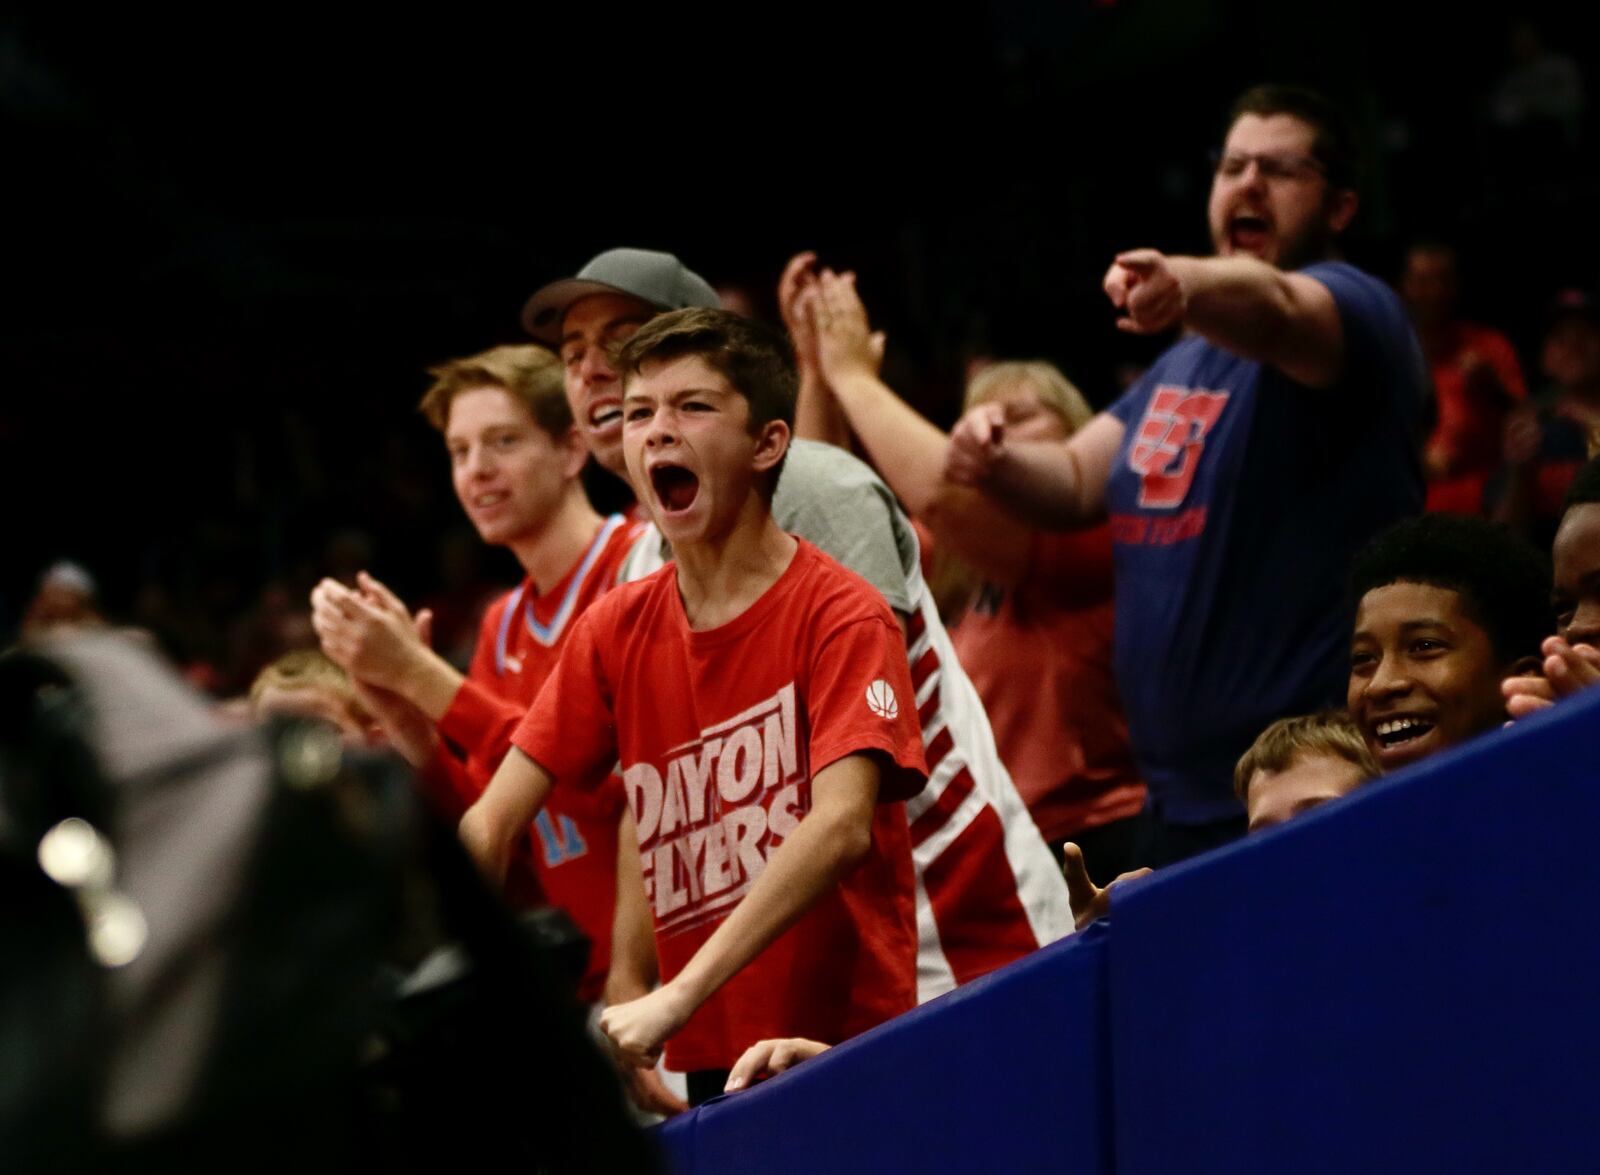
(1244, 471)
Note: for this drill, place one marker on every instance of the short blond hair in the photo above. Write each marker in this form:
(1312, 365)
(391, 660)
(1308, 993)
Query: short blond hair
(527, 372)
(1328, 732)
(305, 669)
(1057, 394)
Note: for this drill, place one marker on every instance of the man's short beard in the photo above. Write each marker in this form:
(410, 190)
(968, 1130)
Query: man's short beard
(1317, 243)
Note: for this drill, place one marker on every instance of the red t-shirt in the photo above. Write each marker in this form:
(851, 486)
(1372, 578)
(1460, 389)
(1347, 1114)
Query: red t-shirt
(570, 857)
(1039, 655)
(719, 734)
(1475, 383)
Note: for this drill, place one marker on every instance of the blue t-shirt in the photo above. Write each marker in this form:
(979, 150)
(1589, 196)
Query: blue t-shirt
(1237, 501)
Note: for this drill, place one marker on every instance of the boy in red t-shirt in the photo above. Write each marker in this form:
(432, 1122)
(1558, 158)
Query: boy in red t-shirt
(758, 698)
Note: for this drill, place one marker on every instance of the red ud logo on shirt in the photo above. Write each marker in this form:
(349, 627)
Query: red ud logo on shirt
(1166, 449)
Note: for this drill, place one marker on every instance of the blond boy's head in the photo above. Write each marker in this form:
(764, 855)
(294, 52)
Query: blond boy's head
(306, 684)
(1297, 764)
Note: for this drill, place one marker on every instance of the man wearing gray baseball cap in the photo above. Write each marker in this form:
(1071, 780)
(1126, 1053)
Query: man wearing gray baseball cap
(657, 278)
(587, 317)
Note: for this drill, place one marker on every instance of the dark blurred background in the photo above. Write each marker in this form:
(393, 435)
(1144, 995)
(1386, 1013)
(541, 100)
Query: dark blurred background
(235, 241)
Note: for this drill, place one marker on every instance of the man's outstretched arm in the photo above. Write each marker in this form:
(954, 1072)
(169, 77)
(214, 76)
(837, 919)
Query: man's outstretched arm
(828, 842)
(1243, 305)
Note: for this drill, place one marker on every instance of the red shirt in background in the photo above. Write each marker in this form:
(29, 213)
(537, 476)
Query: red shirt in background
(1039, 655)
(1476, 382)
(719, 734)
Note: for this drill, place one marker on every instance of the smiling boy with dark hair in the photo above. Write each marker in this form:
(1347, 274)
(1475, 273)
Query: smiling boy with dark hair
(760, 703)
(1448, 607)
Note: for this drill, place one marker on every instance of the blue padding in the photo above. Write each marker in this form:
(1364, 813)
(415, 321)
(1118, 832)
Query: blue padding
(1009, 1073)
(674, 1140)
(1407, 980)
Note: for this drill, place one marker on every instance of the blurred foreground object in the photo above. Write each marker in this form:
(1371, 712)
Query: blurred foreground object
(211, 939)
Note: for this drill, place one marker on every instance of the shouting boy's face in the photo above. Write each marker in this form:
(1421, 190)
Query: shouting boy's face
(1423, 673)
(689, 449)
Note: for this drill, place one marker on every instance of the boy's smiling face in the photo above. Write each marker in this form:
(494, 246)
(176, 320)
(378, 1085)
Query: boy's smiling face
(1423, 673)
(689, 449)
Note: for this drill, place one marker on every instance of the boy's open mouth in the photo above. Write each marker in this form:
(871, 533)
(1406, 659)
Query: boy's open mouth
(675, 487)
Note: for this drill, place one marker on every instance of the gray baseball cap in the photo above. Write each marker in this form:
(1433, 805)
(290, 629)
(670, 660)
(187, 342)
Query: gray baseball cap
(657, 278)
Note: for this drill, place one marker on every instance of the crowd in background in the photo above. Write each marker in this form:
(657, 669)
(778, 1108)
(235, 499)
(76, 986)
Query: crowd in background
(313, 461)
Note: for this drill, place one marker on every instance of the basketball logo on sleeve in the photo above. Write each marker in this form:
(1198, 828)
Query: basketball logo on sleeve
(881, 700)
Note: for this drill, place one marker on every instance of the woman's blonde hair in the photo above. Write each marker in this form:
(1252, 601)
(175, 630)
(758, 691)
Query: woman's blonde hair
(1056, 393)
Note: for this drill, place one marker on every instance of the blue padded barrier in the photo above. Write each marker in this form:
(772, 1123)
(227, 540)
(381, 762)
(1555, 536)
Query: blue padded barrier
(1010, 1073)
(1407, 980)
(675, 1141)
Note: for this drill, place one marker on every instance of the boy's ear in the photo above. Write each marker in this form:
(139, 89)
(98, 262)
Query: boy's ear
(575, 453)
(1341, 209)
(772, 442)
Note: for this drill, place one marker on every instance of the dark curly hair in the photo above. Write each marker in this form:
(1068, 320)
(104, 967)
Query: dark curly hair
(1503, 582)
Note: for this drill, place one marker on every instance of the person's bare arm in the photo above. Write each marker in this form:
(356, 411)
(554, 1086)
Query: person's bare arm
(634, 967)
(1285, 320)
(405, 727)
(906, 448)
(513, 798)
(817, 415)
(828, 842)
(1054, 486)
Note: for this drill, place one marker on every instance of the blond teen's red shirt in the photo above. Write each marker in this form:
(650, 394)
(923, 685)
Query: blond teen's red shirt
(719, 734)
(570, 856)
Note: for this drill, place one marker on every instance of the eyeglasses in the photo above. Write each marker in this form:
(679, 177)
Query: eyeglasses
(1272, 167)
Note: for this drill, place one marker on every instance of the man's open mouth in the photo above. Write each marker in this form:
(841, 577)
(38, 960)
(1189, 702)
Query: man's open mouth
(1398, 732)
(605, 416)
(675, 487)
(1249, 233)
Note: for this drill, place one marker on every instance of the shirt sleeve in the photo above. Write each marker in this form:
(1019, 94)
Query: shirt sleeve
(477, 715)
(837, 503)
(1380, 348)
(480, 722)
(861, 699)
(570, 730)
(1130, 405)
